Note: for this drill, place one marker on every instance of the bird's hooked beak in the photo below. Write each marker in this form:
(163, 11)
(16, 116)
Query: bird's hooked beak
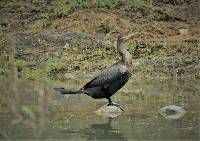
(126, 37)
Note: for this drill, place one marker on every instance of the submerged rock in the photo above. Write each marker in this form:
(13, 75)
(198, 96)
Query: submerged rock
(172, 112)
(109, 111)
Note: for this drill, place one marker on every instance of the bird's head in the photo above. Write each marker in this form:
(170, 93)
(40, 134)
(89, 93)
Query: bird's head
(123, 37)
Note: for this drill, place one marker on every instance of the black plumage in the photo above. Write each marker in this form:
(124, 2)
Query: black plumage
(110, 80)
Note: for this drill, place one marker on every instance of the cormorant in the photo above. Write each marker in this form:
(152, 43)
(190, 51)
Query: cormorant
(110, 80)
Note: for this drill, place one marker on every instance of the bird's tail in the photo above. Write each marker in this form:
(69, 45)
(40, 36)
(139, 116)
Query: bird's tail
(69, 91)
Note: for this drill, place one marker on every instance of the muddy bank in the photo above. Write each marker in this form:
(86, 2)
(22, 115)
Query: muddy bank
(79, 42)
(66, 54)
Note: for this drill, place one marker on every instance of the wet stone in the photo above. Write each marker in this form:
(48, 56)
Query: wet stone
(172, 112)
(109, 111)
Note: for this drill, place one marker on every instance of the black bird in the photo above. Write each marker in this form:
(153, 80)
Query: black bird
(110, 80)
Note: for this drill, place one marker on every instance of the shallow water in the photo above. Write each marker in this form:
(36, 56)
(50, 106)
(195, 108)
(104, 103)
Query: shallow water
(31, 110)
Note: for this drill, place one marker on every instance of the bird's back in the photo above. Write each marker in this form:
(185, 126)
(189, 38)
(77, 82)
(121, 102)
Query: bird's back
(108, 81)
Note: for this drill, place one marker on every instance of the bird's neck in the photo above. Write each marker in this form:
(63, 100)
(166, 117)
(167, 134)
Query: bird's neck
(126, 56)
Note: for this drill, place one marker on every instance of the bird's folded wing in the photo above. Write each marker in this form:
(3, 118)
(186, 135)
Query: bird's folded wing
(107, 76)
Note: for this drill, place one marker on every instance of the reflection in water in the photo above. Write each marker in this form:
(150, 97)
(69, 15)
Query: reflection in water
(24, 107)
(104, 132)
(32, 110)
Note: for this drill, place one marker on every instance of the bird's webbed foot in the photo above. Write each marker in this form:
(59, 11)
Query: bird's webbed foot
(115, 104)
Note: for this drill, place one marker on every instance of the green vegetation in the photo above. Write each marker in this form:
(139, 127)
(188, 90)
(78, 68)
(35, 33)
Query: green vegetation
(44, 15)
(137, 3)
(28, 111)
(84, 3)
(62, 8)
(22, 64)
(28, 70)
(13, 7)
(37, 74)
(105, 4)
(3, 40)
(52, 67)
(104, 26)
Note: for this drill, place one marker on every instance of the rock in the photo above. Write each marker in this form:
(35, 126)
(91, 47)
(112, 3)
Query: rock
(109, 111)
(26, 40)
(66, 46)
(183, 31)
(172, 112)
(59, 38)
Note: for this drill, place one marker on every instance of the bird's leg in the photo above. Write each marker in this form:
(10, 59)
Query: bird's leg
(113, 104)
(110, 101)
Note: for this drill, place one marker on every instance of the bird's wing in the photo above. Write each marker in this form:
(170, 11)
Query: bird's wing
(107, 76)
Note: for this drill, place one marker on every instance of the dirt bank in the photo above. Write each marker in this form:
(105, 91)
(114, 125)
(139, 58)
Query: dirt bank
(55, 42)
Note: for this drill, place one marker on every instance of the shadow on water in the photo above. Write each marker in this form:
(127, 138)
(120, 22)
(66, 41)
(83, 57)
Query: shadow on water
(32, 110)
(95, 131)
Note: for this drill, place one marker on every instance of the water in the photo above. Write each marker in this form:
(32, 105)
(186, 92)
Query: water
(31, 110)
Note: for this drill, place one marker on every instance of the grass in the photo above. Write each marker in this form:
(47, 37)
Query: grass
(52, 67)
(13, 7)
(44, 15)
(62, 8)
(103, 26)
(85, 3)
(3, 39)
(37, 74)
(106, 4)
(137, 3)
(28, 70)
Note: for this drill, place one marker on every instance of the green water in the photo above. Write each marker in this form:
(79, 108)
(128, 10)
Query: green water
(31, 110)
